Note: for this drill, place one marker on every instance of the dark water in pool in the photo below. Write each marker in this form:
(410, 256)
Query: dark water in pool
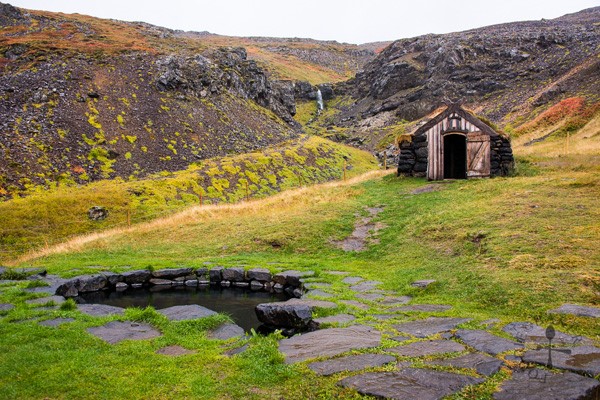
(235, 302)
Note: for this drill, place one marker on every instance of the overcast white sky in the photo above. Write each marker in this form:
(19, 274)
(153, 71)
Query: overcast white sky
(350, 21)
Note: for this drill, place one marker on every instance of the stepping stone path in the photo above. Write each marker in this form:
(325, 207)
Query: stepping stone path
(395, 301)
(182, 313)
(430, 326)
(100, 310)
(354, 303)
(56, 321)
(116, 331)
(535, 384)
(174, 351)
(339, 319)
(528, 332)
(369, 296)
(6, 307)
(583, 359)
(328, 342)
(365, 286)
(227, 331)
(580, 311)
(337, 273)
(484, 365)
(400, 338)
(352, 280)
(350, 363)
(423, 283)
(409, 383)
(423, 308)
(44, 300)
(486, 342)
(427, 348)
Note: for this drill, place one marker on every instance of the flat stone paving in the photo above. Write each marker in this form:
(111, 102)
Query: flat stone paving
(182, 313)
(312, 303)
(409, 383)
(227, 331)
(429, 326)
(100, 310)
(116, 331)
(393, 301)
(537, 384)
(486, 342)
(423, 308)
(583, 359)
(483, 364)
(580, 311)
(528, 332)
(427, 348)
(352, 280)
(318, 293)
(365, 286)
(356, 303)
(369, 296)
(328, 342)
(6, 307)
(350, 363)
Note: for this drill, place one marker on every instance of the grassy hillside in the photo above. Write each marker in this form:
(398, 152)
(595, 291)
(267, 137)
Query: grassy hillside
(47, 217)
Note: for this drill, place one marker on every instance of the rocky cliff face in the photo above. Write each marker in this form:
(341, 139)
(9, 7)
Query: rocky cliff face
(496, 69)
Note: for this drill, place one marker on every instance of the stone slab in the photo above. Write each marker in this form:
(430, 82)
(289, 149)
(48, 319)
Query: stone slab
(350, 363)
(355, 303)
(580, 311)
(335, 319)
(44, 300)
(423, 308)
(536, 384)
(317, 285)
(427, 348)
(401, 338)
(311, 303)
(328, 342)
(395, 301)
(410, 383)
(174, 351)
(423, 283)
(582, 359)
(6, 307)
(100, 310)
(483, 364)
(486, 342)
(187, 312)
(337, 273)
(227, 331)
(365, 286)
(56, 321)
(430, 326)
(117, 331)
(352, 280)
(530, 333)
(369, 296)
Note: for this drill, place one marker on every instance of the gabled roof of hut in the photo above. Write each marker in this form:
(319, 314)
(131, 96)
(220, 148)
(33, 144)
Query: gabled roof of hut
(461, 112)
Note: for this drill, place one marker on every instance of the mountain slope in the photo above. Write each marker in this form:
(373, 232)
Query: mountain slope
(84, 99)
(508, 73)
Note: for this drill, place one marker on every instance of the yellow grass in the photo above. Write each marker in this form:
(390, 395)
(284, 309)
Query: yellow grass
(197, 214)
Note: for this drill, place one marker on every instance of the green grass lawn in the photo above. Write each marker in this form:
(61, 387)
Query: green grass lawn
(506, 248)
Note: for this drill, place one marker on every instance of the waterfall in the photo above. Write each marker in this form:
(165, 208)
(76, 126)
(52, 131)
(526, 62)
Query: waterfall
(319, 101)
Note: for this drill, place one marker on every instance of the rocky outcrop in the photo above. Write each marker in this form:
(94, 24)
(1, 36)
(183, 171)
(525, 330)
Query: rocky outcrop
(500, 65)
(227, 69)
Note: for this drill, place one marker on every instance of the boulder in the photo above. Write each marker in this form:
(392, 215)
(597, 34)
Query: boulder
(171, 274)
(233, 274)
(291, 278)
(139, 276)
(282, 315)
(215, 274)
(91, 283)
(259, 274)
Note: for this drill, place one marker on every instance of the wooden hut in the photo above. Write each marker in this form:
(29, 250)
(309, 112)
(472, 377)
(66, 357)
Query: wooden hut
(455, 144)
